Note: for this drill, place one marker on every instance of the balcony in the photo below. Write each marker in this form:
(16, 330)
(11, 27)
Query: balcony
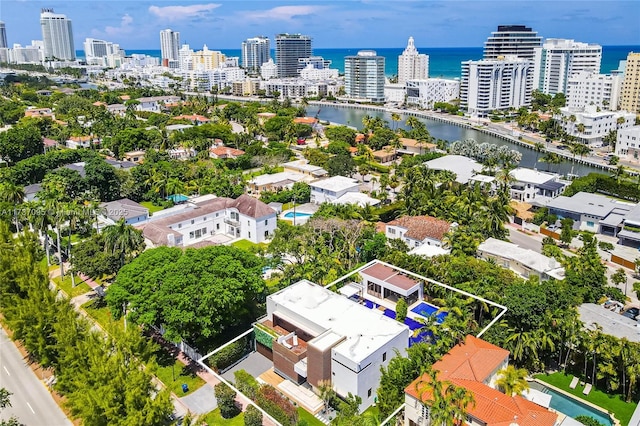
(232, 222)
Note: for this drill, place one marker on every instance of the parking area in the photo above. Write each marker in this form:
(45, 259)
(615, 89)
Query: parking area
(255, 364)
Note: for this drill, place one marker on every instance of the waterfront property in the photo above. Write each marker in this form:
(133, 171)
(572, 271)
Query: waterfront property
(474, 365)
(464, 168)
(522, 261)
(628, 143)
(589, 125)
(528, 183)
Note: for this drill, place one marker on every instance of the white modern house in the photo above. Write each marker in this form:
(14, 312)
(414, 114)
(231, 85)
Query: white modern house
(330, 189)
(628, 143)
(322, 335)
(210, 219)
(275, 182)
(527, 183)
(597, 124)
(464, 168)
(154, 103)
(523, 262)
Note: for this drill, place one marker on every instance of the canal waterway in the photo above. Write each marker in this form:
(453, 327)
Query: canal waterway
(351, 116)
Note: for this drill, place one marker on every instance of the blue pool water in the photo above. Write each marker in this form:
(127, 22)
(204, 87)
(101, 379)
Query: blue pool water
(572, 407)
(178, 198)
(426, 310)
(291, 215)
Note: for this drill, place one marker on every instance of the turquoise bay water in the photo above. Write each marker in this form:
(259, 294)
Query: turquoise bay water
(443, 61)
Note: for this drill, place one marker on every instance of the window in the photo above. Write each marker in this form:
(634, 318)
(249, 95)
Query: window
(384, 357)
(249, 234)
(248, 223)
(266, 222)
(217, 226)
(266, 234)
(204, 218)
(191, 235)
(369, 393)
(590, 224)
(179, 225)
(193, 221)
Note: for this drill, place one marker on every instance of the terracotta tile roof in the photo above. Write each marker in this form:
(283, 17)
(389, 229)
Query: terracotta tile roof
(305, 120)
(250, 206)
(360, 137)
(193, 118)
(390, 275)
(98, 103)
(49, 142)
(468, 365)
(381, 227)
(420, 227)
(225, 152)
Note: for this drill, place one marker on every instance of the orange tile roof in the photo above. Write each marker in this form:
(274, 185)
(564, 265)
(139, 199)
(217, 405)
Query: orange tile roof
(360, 137)
(414, 143)
(194, 117)
(305, 120)
(467, 365)
(225, 152)
(98, 103)
(421, 227)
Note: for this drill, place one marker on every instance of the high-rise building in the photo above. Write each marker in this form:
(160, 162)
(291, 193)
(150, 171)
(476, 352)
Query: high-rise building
(169, 46)
(290, 48)
(630, 93)
(255, 52)
(206, 59)
(495, 84)
(364, 76)
(57, 36)
(559, 59)
(515, 40)
(585, 88)
(412, 65)
(3, 35)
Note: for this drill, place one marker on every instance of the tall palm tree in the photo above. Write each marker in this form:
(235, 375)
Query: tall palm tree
(512, 381)
(14, 194)
(123, 239)
(448, 404)
(395, 117)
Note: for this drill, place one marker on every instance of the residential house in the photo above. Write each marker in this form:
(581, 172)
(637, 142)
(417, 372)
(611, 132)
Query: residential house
(629, 232)
(385, 283)
(591, 212)
(155, 103)
(608, 322)
(523, 262)
(181, 153)
(75, 142)
(415, 147)
(464, 168)
(384, 155)
(275, 182)
(202, 220)
(314, 335)
(126, 209)
(474, 365)
(49, 144)
(117, 109)
(418, 230)
(358, 198)
(221, 151)
(39, 112)
(527, 183)
(194, 118)
(177, 128)
(134, 156)
(303, 166)
(330, 189)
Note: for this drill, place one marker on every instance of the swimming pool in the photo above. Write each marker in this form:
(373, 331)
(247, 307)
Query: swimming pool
(426, 310)
(178, 198)
(571, 406)
(291, 215)
(411, 323)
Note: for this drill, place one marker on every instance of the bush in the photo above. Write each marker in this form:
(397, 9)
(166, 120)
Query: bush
(389, 212)
(252, 417)
(401, 310)
(229, 355)
(279, 407)
(246, 384)
(226, 401)
(588, 421)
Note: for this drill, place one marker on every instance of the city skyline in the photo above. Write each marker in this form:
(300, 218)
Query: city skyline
(355, 24)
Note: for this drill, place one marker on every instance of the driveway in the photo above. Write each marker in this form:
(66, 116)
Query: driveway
(201, 401)
(255, 364)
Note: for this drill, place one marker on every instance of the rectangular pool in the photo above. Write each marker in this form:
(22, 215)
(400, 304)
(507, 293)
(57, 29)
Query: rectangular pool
(426, 310)
(571, 406)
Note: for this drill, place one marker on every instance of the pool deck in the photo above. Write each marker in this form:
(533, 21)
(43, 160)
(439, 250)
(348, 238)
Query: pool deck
(615, 421)
(391, 305)
(308, 208)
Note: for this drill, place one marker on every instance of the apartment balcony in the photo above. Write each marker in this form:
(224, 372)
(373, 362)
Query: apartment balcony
(232, 222)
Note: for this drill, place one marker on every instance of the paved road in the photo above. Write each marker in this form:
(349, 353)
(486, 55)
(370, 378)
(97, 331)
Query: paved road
(31, 403)
(523, 240)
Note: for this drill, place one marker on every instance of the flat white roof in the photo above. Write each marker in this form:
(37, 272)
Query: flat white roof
(531, 176)
(464, 167)
(357, 198)
(534, 260)
(612, 324)
(302, 165)
(428, 251)
(365, 330)
(277, 177)
(335, 183)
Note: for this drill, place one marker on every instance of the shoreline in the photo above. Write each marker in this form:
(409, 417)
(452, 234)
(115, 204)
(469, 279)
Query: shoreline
(484, 126)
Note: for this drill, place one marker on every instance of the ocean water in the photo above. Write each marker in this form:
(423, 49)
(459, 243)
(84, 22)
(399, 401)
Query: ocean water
(443, 61)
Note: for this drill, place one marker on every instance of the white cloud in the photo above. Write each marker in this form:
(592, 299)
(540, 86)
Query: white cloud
(124, 28)
(177, 13)
(284, 13)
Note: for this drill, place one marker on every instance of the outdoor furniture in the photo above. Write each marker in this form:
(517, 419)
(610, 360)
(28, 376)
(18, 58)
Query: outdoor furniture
(574, 383)
(587, 389)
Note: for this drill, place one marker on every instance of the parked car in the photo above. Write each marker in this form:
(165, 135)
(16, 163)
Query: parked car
(631, 313)
(301, 141)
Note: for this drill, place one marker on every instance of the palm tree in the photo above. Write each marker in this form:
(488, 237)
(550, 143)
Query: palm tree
(447, 403)
(619, 173)
(14, 194)
(551, 158)
(122, 238)
(412, 122)
(538, 147)
(512, 381)
(395, 117)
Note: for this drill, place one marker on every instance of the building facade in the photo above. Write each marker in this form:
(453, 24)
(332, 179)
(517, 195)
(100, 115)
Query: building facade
(290, 48)
(585, 88)
(559, 59)
(628, 143)
(495, 84)
(57, 36)
(207, 60)
(412, 65)
(630, 93)
(425, 93)
(169, 47)
(512, 40)
(364, 76)
(330, 189)
(3, 36)
(589, 126)
(255, 52)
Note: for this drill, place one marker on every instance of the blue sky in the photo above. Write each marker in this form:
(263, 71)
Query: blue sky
(135, 24)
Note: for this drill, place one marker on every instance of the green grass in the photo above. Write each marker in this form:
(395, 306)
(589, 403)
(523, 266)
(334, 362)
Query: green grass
(152, 207)
(613, 403)
(66, 286)
(214, 418)
(102, 314)
(174, 373)
(308, 417)
(249, 246)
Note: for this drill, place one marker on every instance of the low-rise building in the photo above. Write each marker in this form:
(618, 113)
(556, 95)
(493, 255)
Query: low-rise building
(609, 322)
(324, 336)
(75, 142)
(242, 218)
(303, 166)
(39, 112)
(126, 209)
(528, 183)
(415, 147)
(358, 198)
(590, 126)
(155, 103)
(475, 365)
(464, 168)
(275, 182)
(134, 156)
(221, 151)
(330, 189)
(628, 143)
(418, 230)
(523, 262)
(628, 232)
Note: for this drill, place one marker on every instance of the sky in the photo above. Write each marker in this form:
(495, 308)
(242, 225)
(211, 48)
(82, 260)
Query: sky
(135, 24)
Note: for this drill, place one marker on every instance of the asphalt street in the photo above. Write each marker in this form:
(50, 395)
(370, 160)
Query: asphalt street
(524, 240)
(31, 403)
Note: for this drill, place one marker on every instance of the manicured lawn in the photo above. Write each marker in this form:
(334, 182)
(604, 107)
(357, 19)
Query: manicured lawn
(101, 314)
(308, 417)
(613, 403)
(214, 418)
(152, 207)
(173, 374)
(66, 286)
(249, 246)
